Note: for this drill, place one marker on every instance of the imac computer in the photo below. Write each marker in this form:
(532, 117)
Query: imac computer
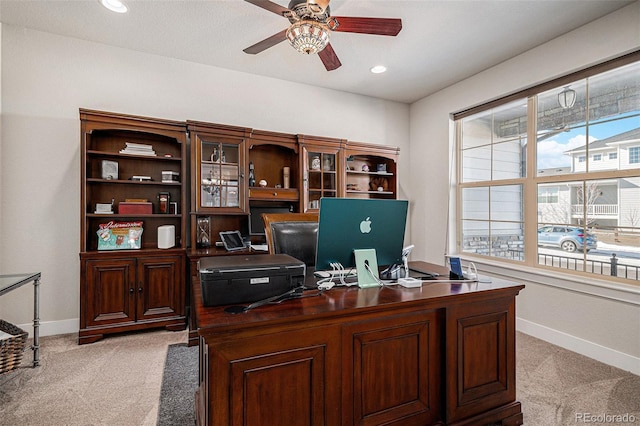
(348, 224)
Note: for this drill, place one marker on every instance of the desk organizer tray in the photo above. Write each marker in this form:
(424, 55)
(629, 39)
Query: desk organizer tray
(12, 347)
(243, 279)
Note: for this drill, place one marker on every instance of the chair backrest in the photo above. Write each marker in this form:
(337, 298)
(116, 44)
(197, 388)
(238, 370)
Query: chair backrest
(295, 234)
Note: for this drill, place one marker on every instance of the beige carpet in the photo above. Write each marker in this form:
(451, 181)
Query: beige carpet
(560, 387)
(117, 381)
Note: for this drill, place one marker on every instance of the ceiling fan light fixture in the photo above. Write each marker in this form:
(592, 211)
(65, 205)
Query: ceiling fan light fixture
(308, 36)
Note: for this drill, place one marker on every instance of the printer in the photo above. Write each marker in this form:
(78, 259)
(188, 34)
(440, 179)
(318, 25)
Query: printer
(248, 278)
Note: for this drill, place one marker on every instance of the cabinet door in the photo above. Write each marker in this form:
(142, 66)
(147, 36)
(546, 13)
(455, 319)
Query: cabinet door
(395, 370)
(480, 358)
(320, 175)
(220, 175)
(159, 287)
(287, 378)
(110, 292)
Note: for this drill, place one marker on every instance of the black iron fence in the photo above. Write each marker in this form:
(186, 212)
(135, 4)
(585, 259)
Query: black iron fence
(512, 247)
(613, 267)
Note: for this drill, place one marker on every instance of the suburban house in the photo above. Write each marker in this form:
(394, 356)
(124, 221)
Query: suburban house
(604, 196)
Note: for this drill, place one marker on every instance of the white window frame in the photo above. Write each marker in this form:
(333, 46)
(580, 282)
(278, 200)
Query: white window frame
(636, 157)
(532, 179)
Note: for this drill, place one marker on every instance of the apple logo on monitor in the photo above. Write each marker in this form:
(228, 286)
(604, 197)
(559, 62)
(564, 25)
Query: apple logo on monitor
(365, 226)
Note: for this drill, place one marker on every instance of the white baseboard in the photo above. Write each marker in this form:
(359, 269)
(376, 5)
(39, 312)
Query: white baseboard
(584, 347)
(51, 328)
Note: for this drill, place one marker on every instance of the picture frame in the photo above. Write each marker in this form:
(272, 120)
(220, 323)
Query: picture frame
(232, 240)
(109, 170)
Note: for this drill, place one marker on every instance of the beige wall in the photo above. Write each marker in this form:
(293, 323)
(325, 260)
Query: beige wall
(1, 181)
(601, 322)
(47, 78)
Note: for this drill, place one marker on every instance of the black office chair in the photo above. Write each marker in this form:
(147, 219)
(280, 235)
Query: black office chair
(295, 234)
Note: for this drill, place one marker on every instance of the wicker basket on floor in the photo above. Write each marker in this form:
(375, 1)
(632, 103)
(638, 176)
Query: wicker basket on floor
(12, 348)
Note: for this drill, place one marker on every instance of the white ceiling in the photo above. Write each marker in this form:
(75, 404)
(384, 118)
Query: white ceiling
(441, 42)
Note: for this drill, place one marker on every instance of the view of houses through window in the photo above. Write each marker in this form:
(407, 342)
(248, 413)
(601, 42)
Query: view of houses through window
(571, 200)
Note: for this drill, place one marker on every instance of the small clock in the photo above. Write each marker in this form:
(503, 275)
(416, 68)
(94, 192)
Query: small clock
(109, 169)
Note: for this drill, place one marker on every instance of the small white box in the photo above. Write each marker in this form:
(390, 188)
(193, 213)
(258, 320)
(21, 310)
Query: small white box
(166, 236)
(409, 282)
(169, 176)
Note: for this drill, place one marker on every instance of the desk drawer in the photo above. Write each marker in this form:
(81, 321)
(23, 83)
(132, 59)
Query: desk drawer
(288, 194)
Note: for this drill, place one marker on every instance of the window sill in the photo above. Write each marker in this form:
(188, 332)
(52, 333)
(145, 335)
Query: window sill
(627, 293)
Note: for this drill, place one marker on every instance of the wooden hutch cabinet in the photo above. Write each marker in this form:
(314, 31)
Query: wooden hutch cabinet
(132, 177)
(321, 166)
(218, 181)
(371, 171)
(217, 168)
(138, 173)
(274, 159)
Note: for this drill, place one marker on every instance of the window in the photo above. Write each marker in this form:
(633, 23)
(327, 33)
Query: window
(548, 195)
(555, 203)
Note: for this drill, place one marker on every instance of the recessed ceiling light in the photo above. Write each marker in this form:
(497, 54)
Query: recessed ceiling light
(378, 69)
(114, 5)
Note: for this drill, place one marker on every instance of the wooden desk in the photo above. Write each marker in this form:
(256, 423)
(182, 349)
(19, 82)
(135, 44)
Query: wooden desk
(440, 354)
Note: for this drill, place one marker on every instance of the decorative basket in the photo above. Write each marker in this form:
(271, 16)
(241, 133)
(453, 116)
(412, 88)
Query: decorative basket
(12, 348)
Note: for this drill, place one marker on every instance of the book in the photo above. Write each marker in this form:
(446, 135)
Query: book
(119, 235)
(138, 149)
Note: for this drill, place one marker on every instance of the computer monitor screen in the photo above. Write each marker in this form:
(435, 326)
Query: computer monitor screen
(347, 224)
(256, 225)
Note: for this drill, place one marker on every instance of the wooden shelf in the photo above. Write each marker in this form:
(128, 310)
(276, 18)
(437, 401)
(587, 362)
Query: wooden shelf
(132, 182)
(144, 216)
(356, 172)
(131, 288)
(131, 156)
(352, 191)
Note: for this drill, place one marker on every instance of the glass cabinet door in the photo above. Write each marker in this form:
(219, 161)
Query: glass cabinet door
(321, 177)
(220, 175)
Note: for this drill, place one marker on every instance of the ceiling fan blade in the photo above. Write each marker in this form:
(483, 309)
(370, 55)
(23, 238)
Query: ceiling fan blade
(270, 6)
(379, 26)
(329, 58)
(266, 43)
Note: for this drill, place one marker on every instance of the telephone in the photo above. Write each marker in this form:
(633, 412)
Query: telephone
(456, 268)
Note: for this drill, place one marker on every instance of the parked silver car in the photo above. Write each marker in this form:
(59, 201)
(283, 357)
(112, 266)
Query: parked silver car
(568, 238)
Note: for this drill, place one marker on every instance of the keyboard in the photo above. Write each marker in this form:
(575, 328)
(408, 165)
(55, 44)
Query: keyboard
(347, 273)
(423, 274)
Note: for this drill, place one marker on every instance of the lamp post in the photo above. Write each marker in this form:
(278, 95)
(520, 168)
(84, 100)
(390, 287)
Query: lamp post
(567, 98)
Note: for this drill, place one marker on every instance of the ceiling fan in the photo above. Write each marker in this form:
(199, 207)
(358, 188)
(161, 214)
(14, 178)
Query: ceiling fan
(311, 22)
